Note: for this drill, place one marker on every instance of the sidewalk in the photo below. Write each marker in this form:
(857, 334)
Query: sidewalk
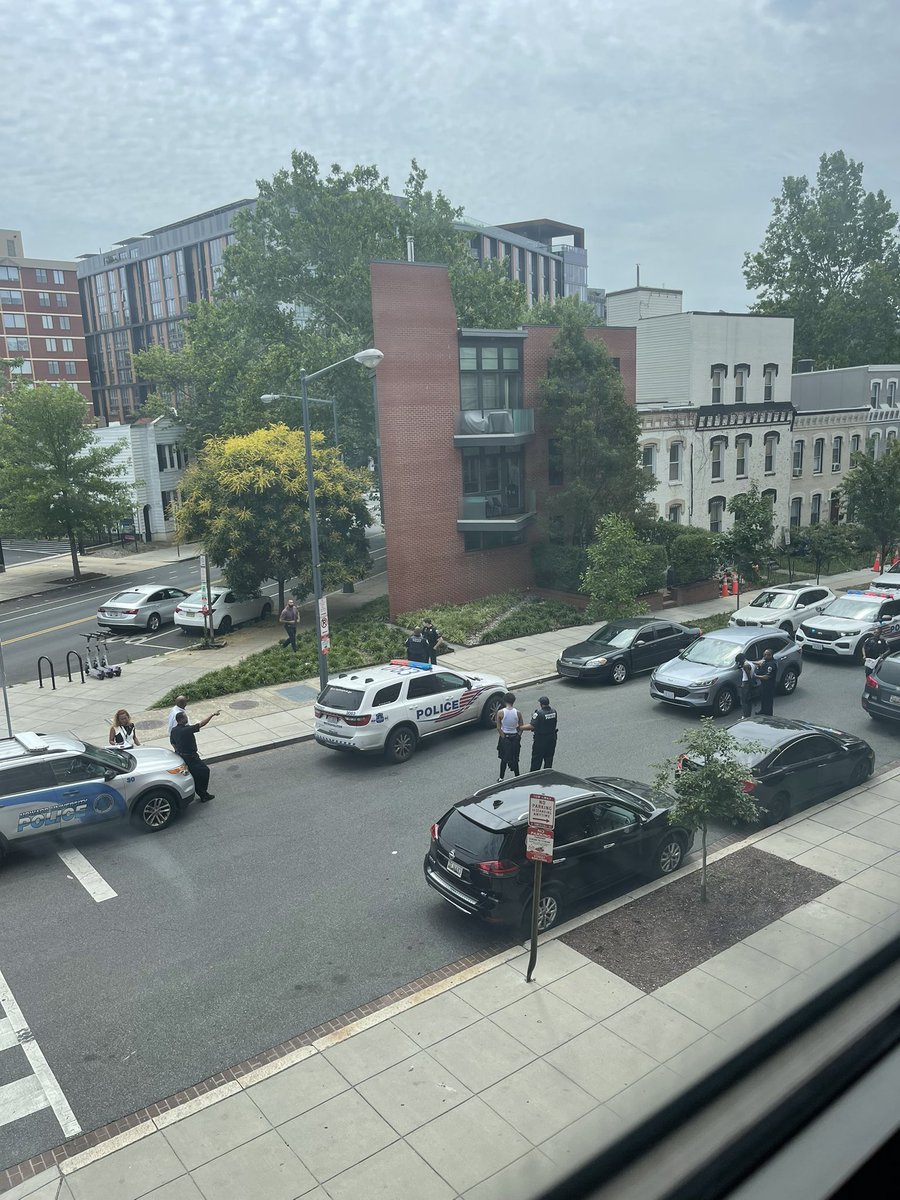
(481, 1086)
(48, 575)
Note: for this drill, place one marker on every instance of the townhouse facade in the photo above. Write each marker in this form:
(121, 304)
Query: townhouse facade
(152, 453)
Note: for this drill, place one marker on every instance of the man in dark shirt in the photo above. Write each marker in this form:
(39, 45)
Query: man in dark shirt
(417, 649)
(544, 726)
(432, 637)
(185, 744)
(874, 645)
(767, 674)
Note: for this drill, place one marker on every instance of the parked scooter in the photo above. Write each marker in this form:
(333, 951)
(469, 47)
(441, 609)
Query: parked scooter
(92, 663)
(109, 671)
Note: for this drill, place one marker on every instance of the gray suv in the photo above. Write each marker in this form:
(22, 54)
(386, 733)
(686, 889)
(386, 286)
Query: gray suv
(705, 676)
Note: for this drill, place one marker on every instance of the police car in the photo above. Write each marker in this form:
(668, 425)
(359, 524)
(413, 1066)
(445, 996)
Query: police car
(389, 709)
(51, 782)
(843, 626)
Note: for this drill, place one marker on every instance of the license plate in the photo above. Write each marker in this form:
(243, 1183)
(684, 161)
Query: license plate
(455, 868)
(332, 720)
(814, 645)
(665, 692)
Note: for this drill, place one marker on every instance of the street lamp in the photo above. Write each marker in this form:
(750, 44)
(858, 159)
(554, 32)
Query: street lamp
(366, 358)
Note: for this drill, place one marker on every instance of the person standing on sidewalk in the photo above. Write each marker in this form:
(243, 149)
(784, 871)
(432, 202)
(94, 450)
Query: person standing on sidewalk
(184, 742)
(122, 733)
(767, 673)
(746, 685)
(178, 707)
(432, 637)
(509, 739)
(544, 726)
(289, 617)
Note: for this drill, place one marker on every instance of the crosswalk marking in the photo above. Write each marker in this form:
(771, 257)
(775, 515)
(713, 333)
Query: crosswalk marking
(7, 1034)
(20, 1099)
(89, 877)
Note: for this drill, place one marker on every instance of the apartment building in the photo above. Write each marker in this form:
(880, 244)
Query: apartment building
(547, 257)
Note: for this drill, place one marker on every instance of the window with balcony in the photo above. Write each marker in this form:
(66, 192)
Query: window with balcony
(798, 456)
(716, 514)
(493, 482)
(10, 296)
(741, 450)
(770, 370)
(676, 456)
(837, 450)
(769, 444)
(741, 373)
(717, 375)
(815, 509)
(649, 459)
(490, 377)
(796, 509)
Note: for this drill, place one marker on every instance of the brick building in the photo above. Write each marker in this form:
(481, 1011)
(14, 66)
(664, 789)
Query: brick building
(40, 311)
(464, 463)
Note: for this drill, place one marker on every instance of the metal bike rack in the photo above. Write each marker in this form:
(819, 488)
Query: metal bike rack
(80, 662)
(45, 659)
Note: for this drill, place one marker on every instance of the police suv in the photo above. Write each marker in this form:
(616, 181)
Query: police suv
(843, 626)
(50, 782)
(391, 708)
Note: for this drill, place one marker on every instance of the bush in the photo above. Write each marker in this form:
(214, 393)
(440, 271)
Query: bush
(694, 557)
(559, 567)
(653, 561)
(462, 623)
(535, 616)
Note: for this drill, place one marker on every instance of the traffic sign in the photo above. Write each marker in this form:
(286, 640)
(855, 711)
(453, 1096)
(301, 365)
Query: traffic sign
(324, 632)
(541, 811)
(539, 845)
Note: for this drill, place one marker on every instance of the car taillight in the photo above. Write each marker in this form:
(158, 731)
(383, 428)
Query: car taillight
(749, 785)
(498, 866)
(178, 608)
(871, 682)
(364, 720)
(132, 612)
(319, 712)
(435, 831)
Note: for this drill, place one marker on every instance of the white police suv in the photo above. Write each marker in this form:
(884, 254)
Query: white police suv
(843, 626)
(390, 709)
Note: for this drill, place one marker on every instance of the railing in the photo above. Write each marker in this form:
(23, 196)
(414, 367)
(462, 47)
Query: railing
(515, 502)
(481, 422)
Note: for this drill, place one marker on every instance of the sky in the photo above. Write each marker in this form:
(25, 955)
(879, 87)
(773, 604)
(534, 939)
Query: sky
(664, 128)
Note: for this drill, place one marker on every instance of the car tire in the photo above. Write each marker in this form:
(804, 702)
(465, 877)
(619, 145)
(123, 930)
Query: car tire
(549, 912)
(492, 706)
(787, 627)
(225, 625)
(788, 683)
(861, 773)
(153, 622)
(724, 702)
(619, 673)
(266, 611)
(156, 810)
(668, 856)
(400, 745)
(778, 808)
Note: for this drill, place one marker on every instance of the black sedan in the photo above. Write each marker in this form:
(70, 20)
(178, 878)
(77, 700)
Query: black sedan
(798, 763)
(881, 695)
(622, 648)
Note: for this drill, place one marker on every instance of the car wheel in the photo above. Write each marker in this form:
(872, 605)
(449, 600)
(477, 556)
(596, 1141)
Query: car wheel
(550, 907)
(668, 856)
(619, 673)
(401, 744)
(788, 681)
(777, 808)
(266, 611)
(489, 713)
(156, 811)
(787, 627)
(861, 773)
(225, 625)
(724, 702)
(153, 622)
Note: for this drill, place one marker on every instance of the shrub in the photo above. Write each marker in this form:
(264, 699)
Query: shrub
(653, 561)
(559, 567)
(534, 616)
(462, 623)
(694, 556)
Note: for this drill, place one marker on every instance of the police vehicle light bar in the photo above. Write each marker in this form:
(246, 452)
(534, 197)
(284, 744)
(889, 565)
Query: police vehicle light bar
(406, 662)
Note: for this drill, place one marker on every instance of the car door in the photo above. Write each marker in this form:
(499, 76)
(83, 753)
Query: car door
(830, 766)
(617, 842)
(424, 701)
(455, 698)
(793, 771)
(667, 643)
(812, 601)
(577, 854)
(644, 649)
(82, 791)
(171, 597)
(155, 603)
(891, 630)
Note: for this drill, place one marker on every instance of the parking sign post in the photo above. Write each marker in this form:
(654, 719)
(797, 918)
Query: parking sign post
(539, 848)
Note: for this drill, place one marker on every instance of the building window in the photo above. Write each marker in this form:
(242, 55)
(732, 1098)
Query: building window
(59, 277)
(741, 445)
(71, 368)
(40, 275)
(46, 322)
(15, 344)
(798, 456)
(9, 274)
(891, 435)
(770, 370)
(717, 448)
(837, 448)
(717, 373)
(675, 513)
(44, 299)
(834, 508)
(771, 496)
(796, 508)
(892, 393)
(489, 377)
(53, 366)
(854, 444)
(815, 509)
(21, 368)
(13, 321)
(875, 445)
(492, 541)
(64, 322)
(555, 473)
(649, 459)
(50, 344)
(675, 462)
(11, 247)
(769, 442)
(741, 372)
(617, 363)
(9, 296)
(68, 345)
(818, 456)
(494, 477)
(875, 392)
(62, 300)
(716, 514)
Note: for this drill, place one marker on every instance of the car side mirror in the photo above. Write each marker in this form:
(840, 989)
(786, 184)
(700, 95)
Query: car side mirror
(640, 642)
(109, 774)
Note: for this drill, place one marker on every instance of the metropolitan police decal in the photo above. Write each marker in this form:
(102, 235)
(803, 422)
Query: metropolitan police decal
(441, 712)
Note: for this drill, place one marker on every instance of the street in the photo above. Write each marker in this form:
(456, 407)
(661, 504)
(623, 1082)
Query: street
(17, 551)
(293, 897)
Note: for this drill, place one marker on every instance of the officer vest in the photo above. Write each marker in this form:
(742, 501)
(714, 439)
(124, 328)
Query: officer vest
(544, 721)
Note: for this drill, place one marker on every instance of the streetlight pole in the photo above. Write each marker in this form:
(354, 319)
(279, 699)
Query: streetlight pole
(367, 358)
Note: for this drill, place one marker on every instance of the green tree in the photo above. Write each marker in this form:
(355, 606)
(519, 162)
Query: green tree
(550, 312)
(616, 570)
(749, 541)
(713, 787)
(830, 259)
(246, 500)
(871, 490)
(54, 481)
(596, 433)
(823, 543)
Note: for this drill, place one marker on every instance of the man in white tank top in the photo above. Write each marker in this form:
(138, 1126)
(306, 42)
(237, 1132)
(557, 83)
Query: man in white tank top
(509, 730)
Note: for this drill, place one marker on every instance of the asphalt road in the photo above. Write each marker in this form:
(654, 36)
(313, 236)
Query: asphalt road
(293, 897)
(18, 551)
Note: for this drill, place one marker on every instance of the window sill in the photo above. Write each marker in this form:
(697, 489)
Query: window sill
(768, 473)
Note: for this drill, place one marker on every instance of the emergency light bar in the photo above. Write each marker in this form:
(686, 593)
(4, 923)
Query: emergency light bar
(406, 662)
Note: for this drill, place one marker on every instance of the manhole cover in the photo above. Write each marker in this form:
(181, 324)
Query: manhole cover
(244, 704)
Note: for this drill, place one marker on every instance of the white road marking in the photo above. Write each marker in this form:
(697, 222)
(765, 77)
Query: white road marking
(20, 1099)
(89, 877)
(52, 1093)
(7, 1034)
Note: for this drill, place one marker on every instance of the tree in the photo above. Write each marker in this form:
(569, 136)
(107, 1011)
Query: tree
(596, 434)
(822, 543)
(749, 541)
(246, 500)
(713, 787)
(549, 312)
(616, 570)
(54, 481)
(871, 490)
(830, 259)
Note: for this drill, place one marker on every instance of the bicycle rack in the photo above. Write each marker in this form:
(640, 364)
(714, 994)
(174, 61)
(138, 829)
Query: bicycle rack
(80, 662)
(45, 659)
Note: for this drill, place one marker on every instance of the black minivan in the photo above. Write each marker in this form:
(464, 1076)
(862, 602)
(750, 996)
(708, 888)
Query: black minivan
(606, 829)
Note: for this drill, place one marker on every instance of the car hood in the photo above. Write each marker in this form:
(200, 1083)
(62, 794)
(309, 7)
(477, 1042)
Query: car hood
(749, 613)
(837, 624)
(682, 673)
(484, 681)
(584, 650)
(155, 758)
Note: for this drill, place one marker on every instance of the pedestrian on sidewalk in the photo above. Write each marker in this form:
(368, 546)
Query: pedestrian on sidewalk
(289, 617)
(509, 736)
(179, 706)
(746, 685)
(184, 742)
(544, 726)
(766, 673)
(432, 637)
(122, 733)
(417, 649)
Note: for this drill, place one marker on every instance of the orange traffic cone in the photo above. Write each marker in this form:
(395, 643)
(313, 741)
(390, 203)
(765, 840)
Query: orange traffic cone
(876, 565)
(724, 591)
(734, 586)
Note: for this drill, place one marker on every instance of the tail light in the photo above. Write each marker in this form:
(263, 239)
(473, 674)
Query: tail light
(871, 682)
(498, 867)
(435, 832)
(178, 608)
(357, 721)
(319, 712)
(132, 612)
(749, 785)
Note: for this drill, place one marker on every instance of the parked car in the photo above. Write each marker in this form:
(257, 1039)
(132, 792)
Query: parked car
(227, 609)
(50, 782)
(889, 577)
(389, 709)
(606, 829)
(843, 626)
(881, 695)
(797, 763)
(785, 606)
(622, 648)
(146, 606)
(704, 676)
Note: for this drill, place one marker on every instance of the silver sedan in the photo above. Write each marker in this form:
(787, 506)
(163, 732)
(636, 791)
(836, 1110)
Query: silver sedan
(144, 607)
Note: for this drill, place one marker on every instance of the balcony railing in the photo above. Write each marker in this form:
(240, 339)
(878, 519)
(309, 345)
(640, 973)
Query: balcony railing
(495, 424)
(507, 510)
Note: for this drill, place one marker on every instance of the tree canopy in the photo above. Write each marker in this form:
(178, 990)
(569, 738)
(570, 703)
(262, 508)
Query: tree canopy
(830, 259)
(871, 490)
(748, 543)
(55, 482)
(616, 570)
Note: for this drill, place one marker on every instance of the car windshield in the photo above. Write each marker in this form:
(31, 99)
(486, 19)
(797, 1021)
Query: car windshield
(335, 696)
(857, 610)
(128, 598)
(711, 652)
(119, 760)
(773, 600)
(614, 634)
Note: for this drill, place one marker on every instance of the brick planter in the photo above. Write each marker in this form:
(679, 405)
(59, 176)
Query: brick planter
(694, 593)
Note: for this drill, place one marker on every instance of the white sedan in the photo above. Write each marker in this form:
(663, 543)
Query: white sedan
(227, 610)
(784, 607)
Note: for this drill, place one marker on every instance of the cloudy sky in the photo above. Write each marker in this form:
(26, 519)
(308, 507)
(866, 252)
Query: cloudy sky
(663, 127)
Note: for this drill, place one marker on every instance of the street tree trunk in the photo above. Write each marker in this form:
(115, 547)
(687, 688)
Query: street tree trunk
(73, 550)
(703, 895)
(281, 595)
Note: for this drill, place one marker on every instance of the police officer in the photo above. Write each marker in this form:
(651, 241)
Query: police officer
(544, 726)
(417, 648)
(432, 637)
(766, 673)
(874, 645)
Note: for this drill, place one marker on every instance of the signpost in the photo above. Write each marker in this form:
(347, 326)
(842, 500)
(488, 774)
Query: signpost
(539, 848)
(205, 604)
(324, 633)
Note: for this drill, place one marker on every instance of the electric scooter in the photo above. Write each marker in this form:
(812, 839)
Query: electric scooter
(109, 671)
(91, 657)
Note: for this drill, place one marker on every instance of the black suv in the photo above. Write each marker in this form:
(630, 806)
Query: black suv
(606, 829)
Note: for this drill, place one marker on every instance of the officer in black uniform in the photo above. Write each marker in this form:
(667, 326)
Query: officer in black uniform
(874, 646)
(544, 725)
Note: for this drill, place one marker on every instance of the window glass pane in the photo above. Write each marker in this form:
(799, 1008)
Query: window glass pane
(468, 390)
(468, 358)
(489, 358)
(490, 391)
(510, 358)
